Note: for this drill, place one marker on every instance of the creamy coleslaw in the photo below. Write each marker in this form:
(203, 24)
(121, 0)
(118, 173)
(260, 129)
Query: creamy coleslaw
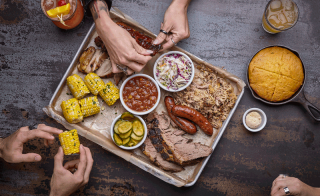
(173, 71)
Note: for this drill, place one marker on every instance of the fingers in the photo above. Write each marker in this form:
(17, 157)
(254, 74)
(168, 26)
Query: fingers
(89, 165)
(161, 36)
(277, 186)
(169, 42)
(143, 52)
(115, 69)
(48, 129)
(27, 135)
(83, 163)
(72, 164)
(30, 157)
(58, 159)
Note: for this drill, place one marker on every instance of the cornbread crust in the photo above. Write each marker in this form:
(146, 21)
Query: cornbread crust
(275, 74)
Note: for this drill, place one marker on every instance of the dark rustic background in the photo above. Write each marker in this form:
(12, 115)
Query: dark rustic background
(34, 56)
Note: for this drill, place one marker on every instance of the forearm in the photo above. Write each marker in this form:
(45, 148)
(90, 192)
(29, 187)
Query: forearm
(181, 3)
(100, 13)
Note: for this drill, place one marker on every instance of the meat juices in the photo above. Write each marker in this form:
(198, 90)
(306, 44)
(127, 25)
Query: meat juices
(184, 124)
(195, 116)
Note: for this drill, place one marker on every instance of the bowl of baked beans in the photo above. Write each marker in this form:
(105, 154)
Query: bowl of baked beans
(140, 94)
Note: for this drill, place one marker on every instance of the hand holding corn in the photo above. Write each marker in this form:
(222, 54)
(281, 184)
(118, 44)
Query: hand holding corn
(63, 182)
(11, 148)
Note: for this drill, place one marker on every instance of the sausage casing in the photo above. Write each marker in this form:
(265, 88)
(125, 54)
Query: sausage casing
(193, 115)
(184, 124)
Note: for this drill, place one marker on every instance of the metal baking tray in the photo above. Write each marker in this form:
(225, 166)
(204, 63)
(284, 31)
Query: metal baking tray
(145, 166)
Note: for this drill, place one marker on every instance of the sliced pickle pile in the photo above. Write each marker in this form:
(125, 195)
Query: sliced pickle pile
(128, 130)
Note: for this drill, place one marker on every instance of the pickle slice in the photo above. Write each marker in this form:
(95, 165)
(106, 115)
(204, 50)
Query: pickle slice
(115, 129)
(126, 141)
(135, 137)
(138, 128)
(131, 143)
(125, 135)
(128, 116)
(117, 139)
(124, 127)
(134, 141)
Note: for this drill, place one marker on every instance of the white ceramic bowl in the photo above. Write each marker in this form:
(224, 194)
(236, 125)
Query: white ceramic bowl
(155, 69)
(137, 112)
(133, 147)
(263, 119)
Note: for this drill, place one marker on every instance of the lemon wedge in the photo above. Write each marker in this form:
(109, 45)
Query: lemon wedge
(64, 10)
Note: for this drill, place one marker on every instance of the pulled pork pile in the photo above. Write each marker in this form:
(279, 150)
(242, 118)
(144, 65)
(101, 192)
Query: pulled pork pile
(209, 94)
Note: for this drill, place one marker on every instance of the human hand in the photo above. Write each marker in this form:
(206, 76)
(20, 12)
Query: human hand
(122, 48)
(11, 147)
(63, 182)
(295, 186)
(175, 23)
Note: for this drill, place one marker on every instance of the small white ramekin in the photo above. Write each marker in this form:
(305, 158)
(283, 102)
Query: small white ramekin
(133, 147)
(137, 112)
(263, 119)
(155, 69)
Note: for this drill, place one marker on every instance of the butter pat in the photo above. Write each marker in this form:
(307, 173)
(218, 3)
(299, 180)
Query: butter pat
(253, 120)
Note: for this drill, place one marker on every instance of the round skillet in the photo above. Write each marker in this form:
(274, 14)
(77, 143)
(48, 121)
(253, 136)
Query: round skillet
(298, 97)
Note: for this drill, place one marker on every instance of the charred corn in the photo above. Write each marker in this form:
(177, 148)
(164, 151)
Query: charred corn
(94, 83)
(70, 142)
(71, 110)
(110, 93)
(77, 86)
(89, 106)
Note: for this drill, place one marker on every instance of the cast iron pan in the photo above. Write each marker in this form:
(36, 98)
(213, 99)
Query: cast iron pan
(298, 97)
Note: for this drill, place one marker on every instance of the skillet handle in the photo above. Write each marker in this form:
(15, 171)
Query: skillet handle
(312, 110)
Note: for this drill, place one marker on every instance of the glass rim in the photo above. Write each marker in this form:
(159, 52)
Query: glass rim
(57, 20)
(265, 16)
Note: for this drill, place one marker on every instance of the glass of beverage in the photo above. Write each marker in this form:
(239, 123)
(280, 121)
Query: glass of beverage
(70, 20)
(280, 15)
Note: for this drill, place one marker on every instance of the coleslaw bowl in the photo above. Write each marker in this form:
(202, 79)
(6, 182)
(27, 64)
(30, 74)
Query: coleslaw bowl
(167, 88)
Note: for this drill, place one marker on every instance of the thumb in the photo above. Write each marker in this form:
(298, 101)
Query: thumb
(161, 36)
(30, 157)
(141, 50)
(58, 159)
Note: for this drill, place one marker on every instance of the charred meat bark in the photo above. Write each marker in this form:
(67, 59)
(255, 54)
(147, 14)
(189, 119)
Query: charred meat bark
(155, 157)
(173, 146)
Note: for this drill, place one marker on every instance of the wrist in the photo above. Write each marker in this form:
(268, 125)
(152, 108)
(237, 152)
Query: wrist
(181, 4)
(313, 191)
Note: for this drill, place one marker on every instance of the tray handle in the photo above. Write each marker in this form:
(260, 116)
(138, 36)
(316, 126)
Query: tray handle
(312, 110)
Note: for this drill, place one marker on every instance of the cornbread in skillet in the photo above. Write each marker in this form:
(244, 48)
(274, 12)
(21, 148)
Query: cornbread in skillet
(275, 74)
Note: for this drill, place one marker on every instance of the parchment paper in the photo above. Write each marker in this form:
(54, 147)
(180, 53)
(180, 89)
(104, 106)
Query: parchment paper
(97, 128)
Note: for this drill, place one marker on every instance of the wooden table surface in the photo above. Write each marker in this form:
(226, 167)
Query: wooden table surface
(34, 56)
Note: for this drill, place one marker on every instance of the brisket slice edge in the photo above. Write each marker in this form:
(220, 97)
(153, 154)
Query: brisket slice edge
(155, 157)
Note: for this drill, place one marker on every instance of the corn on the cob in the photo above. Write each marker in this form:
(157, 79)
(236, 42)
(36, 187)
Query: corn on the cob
(70, 142)
(110, 93)
(94, 83)
(77, 86)
(89, 106)
(71, 110)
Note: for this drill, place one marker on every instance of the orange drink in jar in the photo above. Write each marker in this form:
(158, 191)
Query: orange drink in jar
(65, 14)
(280, 15)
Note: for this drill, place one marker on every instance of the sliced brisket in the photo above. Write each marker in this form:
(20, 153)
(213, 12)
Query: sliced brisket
(173, 146)
(155, 157)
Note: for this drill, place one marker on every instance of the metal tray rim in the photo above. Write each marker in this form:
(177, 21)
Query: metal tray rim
(222, 129)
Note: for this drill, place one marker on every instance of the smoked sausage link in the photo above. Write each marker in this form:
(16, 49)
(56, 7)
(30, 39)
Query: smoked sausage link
(193, 115)
(184, 124)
